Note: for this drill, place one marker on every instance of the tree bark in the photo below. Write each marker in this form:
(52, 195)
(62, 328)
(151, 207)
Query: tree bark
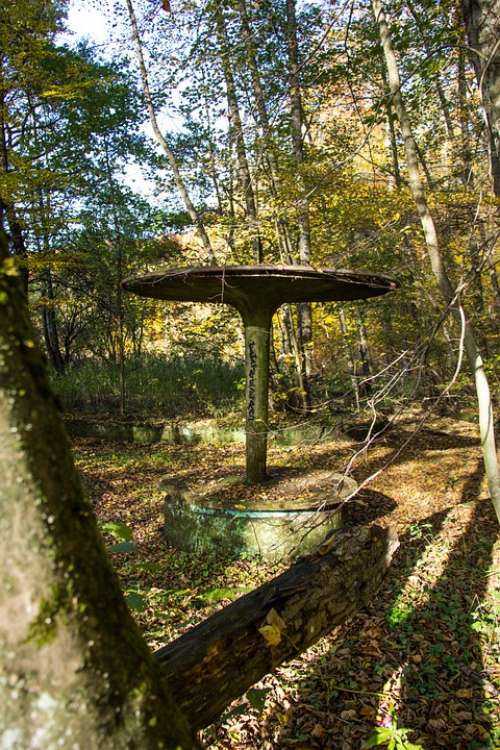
(350, 357)
(298, 354)
(8, 207)
(218, 660)
(295, 97)
(74, 670)
(486, 419)
(467, 174)
(364, 352)
(119, 307)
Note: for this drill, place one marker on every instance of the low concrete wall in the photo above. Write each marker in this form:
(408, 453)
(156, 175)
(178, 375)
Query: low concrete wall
(202, 432)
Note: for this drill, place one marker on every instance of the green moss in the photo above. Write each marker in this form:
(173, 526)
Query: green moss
(43, 628)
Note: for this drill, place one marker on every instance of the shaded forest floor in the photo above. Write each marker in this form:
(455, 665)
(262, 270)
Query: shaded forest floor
(423, 656)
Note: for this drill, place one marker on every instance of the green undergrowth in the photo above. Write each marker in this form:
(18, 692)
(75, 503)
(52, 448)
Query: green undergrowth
(155, 386)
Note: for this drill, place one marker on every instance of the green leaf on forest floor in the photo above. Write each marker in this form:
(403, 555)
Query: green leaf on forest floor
(218, 594)
(396, 738)
(122, 547)
(118, 530)
(135, 600)
(257, 697)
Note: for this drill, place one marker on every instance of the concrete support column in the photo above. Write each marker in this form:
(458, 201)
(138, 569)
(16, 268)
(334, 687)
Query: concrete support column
(257, 343)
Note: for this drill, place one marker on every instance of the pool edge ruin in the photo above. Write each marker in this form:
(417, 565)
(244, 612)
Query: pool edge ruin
(271, 532)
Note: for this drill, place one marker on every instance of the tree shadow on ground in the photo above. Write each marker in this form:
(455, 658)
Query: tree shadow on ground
(386, 450)
(416, 651)
(441, 672)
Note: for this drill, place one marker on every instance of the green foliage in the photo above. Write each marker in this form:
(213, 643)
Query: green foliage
(123, 533)
(399, 612)
(257, 698)
(118, 530)
(135, 600)
(220, 594)
(393, 737)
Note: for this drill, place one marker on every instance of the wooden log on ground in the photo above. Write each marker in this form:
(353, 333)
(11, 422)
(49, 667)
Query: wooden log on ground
(217, 661)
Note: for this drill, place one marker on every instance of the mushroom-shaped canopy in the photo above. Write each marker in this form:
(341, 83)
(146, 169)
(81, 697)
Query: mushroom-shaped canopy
(259, 286)
(256, 292)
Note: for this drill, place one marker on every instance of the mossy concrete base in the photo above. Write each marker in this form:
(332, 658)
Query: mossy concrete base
(290, 521)
(204, 431)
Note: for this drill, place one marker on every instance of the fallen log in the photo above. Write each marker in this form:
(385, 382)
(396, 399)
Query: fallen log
(218, 660)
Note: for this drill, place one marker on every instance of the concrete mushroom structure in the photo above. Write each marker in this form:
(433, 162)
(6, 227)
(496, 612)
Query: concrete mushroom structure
(257, 292)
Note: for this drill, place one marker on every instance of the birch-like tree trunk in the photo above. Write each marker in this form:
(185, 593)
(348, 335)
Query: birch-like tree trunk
(161, 139)
(304, 309)
(486, 420)
(263, 121)
(236, 134)
(119, 311)
(482, 22)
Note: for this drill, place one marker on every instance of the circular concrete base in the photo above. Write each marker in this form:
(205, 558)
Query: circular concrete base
(285, 516)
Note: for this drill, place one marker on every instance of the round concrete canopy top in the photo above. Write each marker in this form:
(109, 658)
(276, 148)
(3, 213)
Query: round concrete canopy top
(259, 286)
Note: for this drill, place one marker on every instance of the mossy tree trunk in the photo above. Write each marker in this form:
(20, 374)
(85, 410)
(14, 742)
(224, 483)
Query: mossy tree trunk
(74, 670)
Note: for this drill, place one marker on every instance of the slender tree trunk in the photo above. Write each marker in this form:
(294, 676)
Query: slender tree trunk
(302, 381)
(282, 224)
(120, 312)
(364, 352)
(236, 132)
(50, 331)
(179, 180)
(9, 208)
(296, 133)
(49, 319)
(212, 157)
(445, 110)
(286, 347)
(486, 420)
(482, 25)
(467, 175)
(296, 121)
(393, 144)
(350, 358)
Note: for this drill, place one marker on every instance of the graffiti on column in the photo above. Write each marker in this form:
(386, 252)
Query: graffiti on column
(252, 355)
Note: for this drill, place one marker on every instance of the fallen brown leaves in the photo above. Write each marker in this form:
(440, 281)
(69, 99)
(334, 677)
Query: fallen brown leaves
(424, 654)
